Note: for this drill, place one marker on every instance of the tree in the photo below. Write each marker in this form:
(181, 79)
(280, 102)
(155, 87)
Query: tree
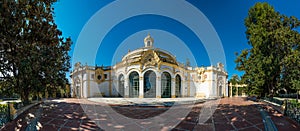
(274, 39)
(235, 79)
(33, 52)
(291, 74)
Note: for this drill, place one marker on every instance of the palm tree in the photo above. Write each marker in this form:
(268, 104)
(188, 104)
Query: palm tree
(234, 80)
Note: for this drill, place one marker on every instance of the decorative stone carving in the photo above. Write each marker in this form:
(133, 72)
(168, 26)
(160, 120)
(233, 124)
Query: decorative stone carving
(200, 70)
(220, 66)
(149, 58)
(77, 65)
(99, 75)
(200, 73)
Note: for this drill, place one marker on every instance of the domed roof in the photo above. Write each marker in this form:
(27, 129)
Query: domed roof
(140, 54)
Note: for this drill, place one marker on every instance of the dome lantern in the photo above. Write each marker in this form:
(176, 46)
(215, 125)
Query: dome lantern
(148, 41)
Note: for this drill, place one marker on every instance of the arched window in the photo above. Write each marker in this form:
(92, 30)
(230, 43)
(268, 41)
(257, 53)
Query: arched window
(149, 84)
(178, 86)
(148, 44)
(165, 85)
(134, 84)
(121, 85)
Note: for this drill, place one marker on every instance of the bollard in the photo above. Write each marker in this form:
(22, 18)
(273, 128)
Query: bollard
(285, 107)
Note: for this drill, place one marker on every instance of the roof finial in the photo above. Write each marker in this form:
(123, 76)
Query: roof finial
(148, 41)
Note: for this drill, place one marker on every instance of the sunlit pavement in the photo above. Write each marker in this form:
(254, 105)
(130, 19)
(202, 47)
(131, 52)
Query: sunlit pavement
(73, 114)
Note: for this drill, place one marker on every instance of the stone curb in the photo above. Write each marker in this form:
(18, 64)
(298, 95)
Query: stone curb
(268, 123)
(20, 111)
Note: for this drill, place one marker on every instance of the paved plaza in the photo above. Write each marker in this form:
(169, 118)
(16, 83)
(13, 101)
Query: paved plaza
(119, 114)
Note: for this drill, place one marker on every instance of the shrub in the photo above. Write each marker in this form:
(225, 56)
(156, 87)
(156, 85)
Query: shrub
(3, 114)
(3, 108)
(294, 103)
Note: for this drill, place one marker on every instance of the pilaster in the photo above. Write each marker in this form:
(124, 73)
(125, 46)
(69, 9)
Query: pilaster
(109, 84)
(126, 86)
(173, 88)
(88, 82)
(158, 87)
(188, 85)
(141, 87)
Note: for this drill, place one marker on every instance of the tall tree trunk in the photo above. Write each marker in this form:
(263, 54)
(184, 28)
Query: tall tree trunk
(25, 97)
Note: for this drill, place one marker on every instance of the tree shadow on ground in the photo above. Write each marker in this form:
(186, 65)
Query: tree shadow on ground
(230, 114)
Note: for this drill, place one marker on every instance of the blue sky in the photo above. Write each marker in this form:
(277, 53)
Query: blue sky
(226, 17)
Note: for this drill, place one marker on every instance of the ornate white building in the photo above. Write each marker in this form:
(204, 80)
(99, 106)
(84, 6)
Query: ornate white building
(148, 72)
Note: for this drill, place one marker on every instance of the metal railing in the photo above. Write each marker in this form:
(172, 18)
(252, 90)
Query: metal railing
(7, 111)
(4, 114)
(274, 100)
(292, 110)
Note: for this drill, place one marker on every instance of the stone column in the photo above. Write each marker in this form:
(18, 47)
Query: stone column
(183, 88)
(116, 84)
(109, 84)
(230, 87)
(173, 88)
(81, 86)
(88, 83)
(71, 87)
(158, 87)
(188, 85)
(126, 86)
(237, 90)
(141, 87)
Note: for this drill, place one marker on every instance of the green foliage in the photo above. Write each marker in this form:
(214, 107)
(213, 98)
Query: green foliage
(235, 79)
(3, 108)
(33, 54)
(295, 102)
(234, 90)
(273, 61)
(292, 110)
(3, 114)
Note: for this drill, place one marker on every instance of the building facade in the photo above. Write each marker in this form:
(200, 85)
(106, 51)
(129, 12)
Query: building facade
(148, 72)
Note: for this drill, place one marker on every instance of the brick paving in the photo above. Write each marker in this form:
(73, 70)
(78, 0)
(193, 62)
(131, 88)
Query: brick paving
(228, 114)
(280, 121)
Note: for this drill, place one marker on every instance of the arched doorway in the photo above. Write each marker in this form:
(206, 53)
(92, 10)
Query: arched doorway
(149, 84)
(165, 85)
(220, 85)
(220, 91)
(134, 84)
(178, 86)
(121, 85)
(77, 88)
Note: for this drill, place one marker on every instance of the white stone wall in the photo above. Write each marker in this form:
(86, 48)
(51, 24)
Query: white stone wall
(209, 87)
(94, 90)
(104, 88)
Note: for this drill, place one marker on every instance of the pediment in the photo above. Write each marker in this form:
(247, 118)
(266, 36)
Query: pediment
(150, 58)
